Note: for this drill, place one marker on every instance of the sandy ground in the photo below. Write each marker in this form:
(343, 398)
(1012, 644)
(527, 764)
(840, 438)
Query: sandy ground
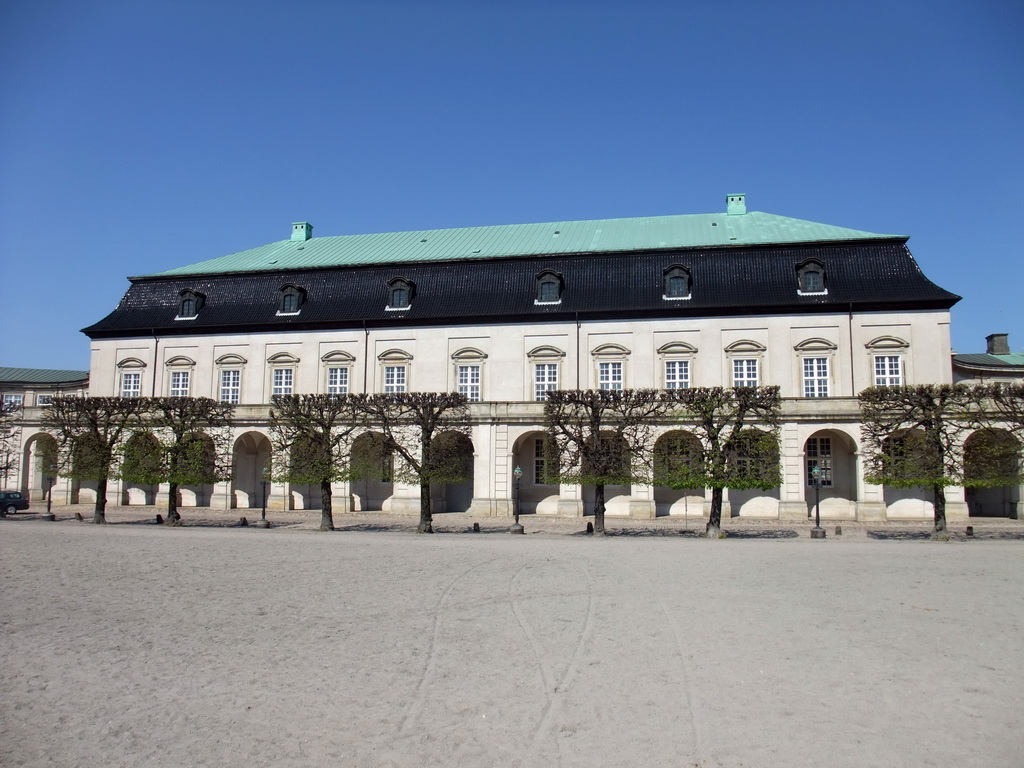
(133, 644)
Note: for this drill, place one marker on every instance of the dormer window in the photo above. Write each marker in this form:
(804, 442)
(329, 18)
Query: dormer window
(400, 293)
(291, 300)
(811, 278)
(677, 283)
(549, 287)
(189, 305)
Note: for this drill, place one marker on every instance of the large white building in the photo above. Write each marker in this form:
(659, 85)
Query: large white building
(505, 313)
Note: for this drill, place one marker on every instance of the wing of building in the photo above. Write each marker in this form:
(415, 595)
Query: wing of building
(505, 313)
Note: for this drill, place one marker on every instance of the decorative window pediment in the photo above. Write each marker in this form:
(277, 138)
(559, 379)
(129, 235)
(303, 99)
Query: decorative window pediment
(610, 350)
(394, 356)
(676, 283)
(677, 348)
(282, 358)
(180, 361)
(469, 354)
(545, 352)
(131, 362)
(815, 345)
(189, 304)
(887, 342)
(550, 285)
(810, 275)
(231, 359)
(400, 293)
(291, 300)
(339, 357)
(745, 346)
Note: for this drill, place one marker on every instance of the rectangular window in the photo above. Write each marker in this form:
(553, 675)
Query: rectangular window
(283, 381)
(394, 378)
(888, 371)
(231, 386)
(815, 377)
(179, 383)
(677, 374)
(469, 382)
(44, 399)
(131, 384)
(540, 464)
(819, 454)
(13, 401)
(744, 372)
(337, 381)
(609, 376)
(545, 379)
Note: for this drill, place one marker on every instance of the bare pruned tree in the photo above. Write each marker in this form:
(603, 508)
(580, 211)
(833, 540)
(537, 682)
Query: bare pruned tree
(601, 437)
(409, 423)
(10, 441)
(737, 431)
(312, 439)
(1006, 405)
(90, 434)
(914, 436)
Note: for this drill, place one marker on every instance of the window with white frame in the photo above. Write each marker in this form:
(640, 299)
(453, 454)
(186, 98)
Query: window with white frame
(677, 374)
(131, 384)
(179, 383)
(282, 381)
(811, 278)
(545, 379)
(888, 371)
(44, 399)
(337, 380)
(549, 287)
(469, 381)
(394, 378)
(609, 375)
(540, 463)
(189, 304)
(745, 372)
(815, 376)
(12, 401)
(676, 283)
(819, 454)
(231, 386)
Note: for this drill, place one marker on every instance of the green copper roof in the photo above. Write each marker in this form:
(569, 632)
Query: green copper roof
(553, 238)
(40, 376)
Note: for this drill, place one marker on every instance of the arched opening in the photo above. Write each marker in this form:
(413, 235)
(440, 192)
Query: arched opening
(678, 459)
(992, 473)
(251, 453)
(612, 461)
(142, 469)
(754, 460)
(38, 462)
(538, 493)
(834, 453)
(374, 469)
(906, 455)
(451, 487)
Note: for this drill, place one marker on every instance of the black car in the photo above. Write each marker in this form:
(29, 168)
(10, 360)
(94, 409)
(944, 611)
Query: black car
(12, 501)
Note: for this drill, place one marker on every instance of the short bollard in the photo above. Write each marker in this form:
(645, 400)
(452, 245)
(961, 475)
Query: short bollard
(590, 527)
(839, 530)
(970, 530)
(476, 527)
(243, 522)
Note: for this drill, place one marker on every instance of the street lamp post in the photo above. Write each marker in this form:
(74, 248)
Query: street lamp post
(262, 523)
(49, 480)
(817, 532)
(516, 527)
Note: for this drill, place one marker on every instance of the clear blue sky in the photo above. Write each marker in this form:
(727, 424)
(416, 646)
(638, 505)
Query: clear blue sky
(139, 136)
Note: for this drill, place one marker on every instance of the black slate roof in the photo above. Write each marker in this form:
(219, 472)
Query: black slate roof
(873, 275)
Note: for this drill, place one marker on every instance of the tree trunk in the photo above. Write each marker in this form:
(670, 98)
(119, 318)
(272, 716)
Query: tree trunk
(599, 509)
(426, 519)
(714, 526)
(939, 502)
(99, 515)
(173, 518)
(326, 508)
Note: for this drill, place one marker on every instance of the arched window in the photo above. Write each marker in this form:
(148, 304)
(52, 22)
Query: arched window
(291, 300)
(677, 283)
(190, 302)
(811, 277)
(400, 292)
(549, 287)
